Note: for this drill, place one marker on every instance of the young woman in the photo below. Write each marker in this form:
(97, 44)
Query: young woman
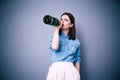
(65, 48)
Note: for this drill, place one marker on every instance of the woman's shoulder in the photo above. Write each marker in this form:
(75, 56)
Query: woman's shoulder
(75, 42)
(50, 37)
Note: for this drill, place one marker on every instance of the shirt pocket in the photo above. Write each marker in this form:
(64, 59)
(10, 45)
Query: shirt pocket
(63, 46)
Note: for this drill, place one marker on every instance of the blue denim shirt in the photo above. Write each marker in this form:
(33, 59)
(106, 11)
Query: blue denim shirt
(68, 51)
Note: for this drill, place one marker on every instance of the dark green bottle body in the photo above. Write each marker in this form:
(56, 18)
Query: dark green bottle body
(50, 20)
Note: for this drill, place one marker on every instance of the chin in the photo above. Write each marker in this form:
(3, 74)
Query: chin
(64, 28)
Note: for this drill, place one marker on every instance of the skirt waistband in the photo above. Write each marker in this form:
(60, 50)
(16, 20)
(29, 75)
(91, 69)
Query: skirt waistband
(62, 64)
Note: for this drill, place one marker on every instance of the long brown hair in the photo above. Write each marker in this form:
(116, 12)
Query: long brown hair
(72, 31)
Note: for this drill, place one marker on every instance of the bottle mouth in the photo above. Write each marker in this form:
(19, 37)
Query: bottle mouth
(47, 19)
(62, 25)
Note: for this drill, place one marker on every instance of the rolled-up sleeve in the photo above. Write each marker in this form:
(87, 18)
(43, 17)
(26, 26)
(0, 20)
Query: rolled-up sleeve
(77, 55)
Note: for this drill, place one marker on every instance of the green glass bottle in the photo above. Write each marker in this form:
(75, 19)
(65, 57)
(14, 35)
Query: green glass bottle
(50, 20)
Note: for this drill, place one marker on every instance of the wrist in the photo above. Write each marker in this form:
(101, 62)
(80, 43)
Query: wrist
(57, 29)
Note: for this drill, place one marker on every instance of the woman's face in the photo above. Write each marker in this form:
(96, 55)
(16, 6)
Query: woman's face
(65, 20)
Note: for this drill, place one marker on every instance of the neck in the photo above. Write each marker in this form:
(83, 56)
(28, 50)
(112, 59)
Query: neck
(65, 31)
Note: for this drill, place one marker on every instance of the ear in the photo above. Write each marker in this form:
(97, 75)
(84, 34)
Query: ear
(71, 25)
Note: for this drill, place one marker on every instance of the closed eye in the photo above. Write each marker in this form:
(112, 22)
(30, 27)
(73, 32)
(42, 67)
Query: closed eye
(66, 20)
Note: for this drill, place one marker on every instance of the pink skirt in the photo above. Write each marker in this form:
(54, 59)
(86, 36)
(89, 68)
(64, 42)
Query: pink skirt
(63, 71)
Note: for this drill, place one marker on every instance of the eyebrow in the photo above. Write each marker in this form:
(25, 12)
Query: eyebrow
(64, 18)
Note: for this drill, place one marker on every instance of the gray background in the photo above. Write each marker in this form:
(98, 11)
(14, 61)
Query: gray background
(24, 49)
